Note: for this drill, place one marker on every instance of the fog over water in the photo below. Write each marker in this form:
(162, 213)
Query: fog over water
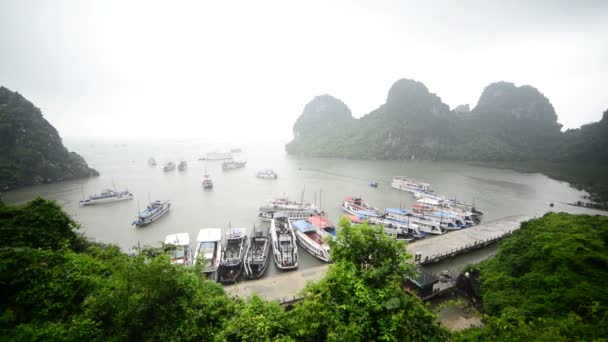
(237, 194)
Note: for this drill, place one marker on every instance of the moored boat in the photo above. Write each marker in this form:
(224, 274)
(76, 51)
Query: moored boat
(170, 166)
(284, 246)
(152, 161)
(208, 251)
(107, 196)
(267, 216)
(257, 255)
(231, 263)
(182, 166)
(206, 181)
(153, 212)
(266, 174)
(231, 165)
(182, 255)
(356, 206)
(312, 234)
(283, 203)
(401, 216)
(409, 185)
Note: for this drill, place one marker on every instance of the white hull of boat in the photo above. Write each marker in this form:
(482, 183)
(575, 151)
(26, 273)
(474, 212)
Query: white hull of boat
(106, 200)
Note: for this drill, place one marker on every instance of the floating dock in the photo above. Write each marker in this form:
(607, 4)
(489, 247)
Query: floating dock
(285, 287)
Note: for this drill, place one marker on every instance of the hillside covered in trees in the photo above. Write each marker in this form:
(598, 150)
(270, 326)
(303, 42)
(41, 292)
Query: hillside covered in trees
(31, 151)
(512, 126)
(546, 283)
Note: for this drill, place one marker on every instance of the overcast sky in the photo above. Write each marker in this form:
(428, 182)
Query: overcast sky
(244, 70)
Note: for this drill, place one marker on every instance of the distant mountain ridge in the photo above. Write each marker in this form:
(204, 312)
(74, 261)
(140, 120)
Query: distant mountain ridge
(509, 123)
(31, 150)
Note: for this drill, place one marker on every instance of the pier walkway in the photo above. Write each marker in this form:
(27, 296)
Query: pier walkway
(286, 286)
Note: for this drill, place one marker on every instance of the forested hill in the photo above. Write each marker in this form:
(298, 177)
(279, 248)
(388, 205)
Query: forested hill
(31, 151)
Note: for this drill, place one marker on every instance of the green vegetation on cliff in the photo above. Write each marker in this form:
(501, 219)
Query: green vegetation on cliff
(547, 282)
(31, 151)
(54, 285)
(509, 125)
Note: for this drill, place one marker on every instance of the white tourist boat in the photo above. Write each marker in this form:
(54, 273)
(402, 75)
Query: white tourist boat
(217, 156)
(233, 255)
(446, 208)
(209, 250)
(283, 203)
(206, 181)
(409, 185)
(399, 230)
(257, 255)
(232, 165)
(356, 206)
(312, 234)
(107, 196)
(267, 216)
(284, 246)
(448, 220)
(170, 166)
(182, 255)
(153, 212)
(266, 174)
(425, 226)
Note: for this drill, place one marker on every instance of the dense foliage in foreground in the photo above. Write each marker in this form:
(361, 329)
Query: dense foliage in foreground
(547, 282)
(56, 285)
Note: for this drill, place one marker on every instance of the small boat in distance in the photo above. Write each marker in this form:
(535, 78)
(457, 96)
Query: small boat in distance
(231, 264)
(182, 166)
(373, 184)
(152, 161)
(209, 250)
(284, 247)
(153, 212)
(107, 196)
(216, 156)
(206, 181)
(256, 257)
(409, 185)
(231, 165)
(182, 255)
(266, 174)
(170, 166)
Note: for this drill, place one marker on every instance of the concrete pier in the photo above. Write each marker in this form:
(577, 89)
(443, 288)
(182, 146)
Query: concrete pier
(285, 287)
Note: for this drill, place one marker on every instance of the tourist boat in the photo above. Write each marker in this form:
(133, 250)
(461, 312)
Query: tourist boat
(257, 255)
(107, 196)
(266, 174)
(267, 216)
(394, 231)
(448, 220)
(231, 165)
(206, 181)
(209, 250)
(373, 184)
(153, 212)
(217, 156)
(182, 166)
(409, 185)
(182, 255)
(284, 247)
(399, 230)
(444, 202)
(170, 166)
(356, 206)
(312, 234)
(283, 203)
(231, 263)
(152, 161)
(446, 208)
(401, 215)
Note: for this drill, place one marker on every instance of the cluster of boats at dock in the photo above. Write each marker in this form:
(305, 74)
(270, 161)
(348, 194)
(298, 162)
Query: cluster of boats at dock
(228, 256)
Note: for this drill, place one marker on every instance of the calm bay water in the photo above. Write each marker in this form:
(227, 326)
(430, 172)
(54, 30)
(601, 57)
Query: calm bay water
(237, 194)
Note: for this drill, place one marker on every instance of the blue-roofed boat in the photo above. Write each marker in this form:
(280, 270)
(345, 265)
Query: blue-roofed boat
(400, 215)
(153, 212)
(356, 206)
(373, 184)
(312, 234)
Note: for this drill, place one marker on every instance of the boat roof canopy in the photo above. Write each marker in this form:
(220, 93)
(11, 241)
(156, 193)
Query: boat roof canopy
(320, 221)
(209, 234)
(396, 211)
(179, 239)
(303, 226)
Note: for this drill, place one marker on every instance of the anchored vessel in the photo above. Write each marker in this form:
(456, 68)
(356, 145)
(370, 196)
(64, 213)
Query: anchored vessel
(256, 258)
(153, 212)
(231, 264)
(170, 166)
(283, 203)
(182, 254)
(209, 250)
(152, 161)
(183, 165)
(107, 196)
(284, 247)
(312, 234)
(409, 185)
(266, 174)
(231, 165)
(399, 215)
(373, 184)
(356, 206)
(267, 216)
(206, 181)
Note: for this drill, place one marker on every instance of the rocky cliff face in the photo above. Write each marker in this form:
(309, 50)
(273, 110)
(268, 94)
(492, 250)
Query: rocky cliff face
(31, 151)
(322, 113)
